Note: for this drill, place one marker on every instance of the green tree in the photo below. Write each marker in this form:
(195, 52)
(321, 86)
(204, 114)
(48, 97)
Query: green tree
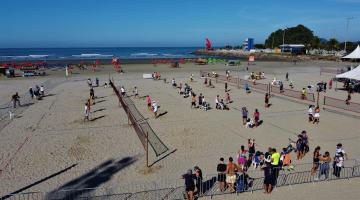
(316, 43)
(333, 44)
(294, 35)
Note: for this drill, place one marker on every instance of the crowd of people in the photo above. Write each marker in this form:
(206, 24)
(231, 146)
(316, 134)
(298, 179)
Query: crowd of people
(233, 176)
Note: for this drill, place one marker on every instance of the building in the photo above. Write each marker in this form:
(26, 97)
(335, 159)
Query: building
(293, 48)
(248, 44)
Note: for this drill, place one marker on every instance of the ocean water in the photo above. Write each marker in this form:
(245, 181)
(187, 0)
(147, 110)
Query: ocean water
(25, 54)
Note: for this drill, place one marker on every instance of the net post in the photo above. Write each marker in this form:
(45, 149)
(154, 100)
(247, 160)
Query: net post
(147, 149)
(317, 99)
(128, 113)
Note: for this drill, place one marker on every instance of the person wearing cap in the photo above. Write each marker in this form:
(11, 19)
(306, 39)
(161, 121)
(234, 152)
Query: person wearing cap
(189, 184)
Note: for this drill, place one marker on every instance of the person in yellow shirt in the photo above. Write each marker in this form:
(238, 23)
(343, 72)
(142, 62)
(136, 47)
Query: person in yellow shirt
(275, 159)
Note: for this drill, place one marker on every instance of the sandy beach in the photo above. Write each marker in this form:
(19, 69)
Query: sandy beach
(48, 145)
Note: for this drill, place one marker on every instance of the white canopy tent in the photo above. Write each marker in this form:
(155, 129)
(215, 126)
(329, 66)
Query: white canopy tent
(354, 55)
(352, 74)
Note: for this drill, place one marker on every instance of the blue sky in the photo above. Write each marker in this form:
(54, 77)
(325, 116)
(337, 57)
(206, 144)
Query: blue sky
(84, 23)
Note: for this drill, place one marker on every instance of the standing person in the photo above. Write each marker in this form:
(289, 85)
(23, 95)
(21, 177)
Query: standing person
(268, 178)
(339, 163)
(325, 165)
(217, 102)
(89, 104)
(267, 97)
(227, 98)
(347, 101)
(303, 94)
(193, 101)
(231, 169)
(155, 108)
(244, 112)
(275, 161)
(339, 148)
(287, 76)
(305, 142)
(256, 117)
(136, 92)
(97, 82)
(199, 180)
(251, 147)
(330, 84)
(316, 160)
(317, 115)
(31, 92)
(42, 91)
(281, 87)
(311, 113)
(226, 87)
(221, 169)
(299, 147)
(86, 112)
(92, 93)
(15, 99)
(241, 157)
(200, 100)
(148, 101)
(189, 184)
(89, 82)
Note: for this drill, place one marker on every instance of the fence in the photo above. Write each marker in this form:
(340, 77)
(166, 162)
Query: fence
(338, 103)
(141, 126)
(261, 86)
(331, 71)
(209, 187)
(293, 93)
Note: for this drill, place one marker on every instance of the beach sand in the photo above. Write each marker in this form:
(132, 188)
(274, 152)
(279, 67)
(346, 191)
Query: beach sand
(50, 135)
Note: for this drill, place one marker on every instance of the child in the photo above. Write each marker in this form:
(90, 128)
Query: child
(285, 159)
(256, 160)
(317, 115)
(227, 98)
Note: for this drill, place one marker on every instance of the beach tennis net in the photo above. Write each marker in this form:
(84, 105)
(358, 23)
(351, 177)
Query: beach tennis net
(141, 126)
(293, 93)
(339, 103)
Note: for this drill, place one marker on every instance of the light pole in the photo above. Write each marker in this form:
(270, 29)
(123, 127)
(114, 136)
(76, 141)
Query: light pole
(284, 38)
(347, 29)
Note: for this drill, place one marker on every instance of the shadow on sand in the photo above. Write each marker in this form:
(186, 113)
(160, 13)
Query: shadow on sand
(88, 182)
(37, 182)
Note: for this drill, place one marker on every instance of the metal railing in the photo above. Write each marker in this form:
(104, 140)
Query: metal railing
(209, 186)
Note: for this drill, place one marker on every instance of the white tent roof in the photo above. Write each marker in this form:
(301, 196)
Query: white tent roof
(352, 74)
(355, 54)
